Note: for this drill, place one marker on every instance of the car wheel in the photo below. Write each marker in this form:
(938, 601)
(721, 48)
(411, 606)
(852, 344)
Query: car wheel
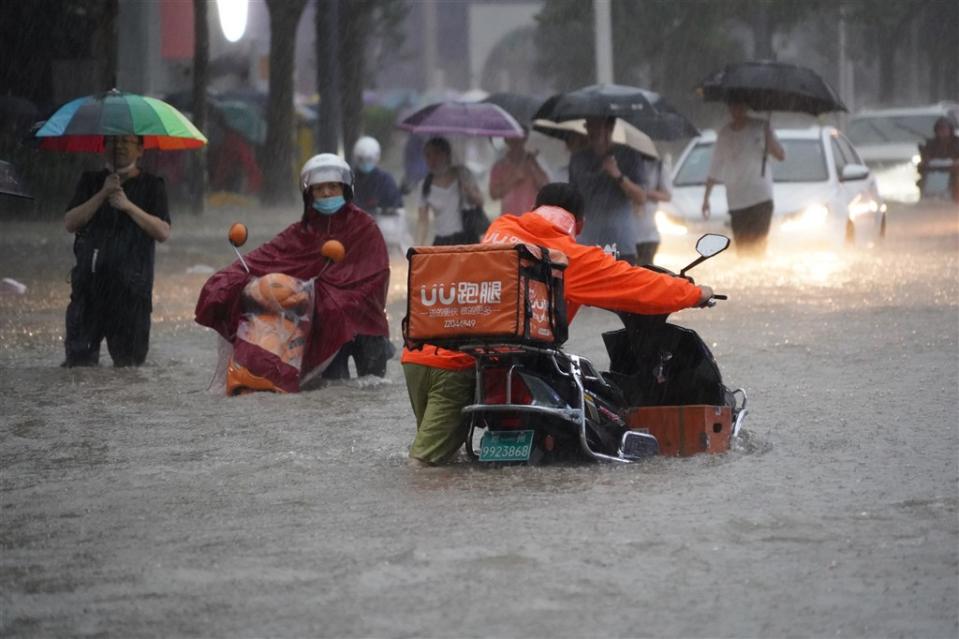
(882, 227)
(850, 232)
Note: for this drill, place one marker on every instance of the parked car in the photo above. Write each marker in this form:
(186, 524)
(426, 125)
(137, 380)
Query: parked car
(888, 140)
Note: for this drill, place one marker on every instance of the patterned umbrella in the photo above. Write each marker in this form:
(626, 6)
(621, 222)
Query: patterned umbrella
(477, 119)
(82, 124)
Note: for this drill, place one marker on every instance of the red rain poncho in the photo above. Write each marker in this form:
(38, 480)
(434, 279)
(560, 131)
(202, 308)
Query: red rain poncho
(350, 296)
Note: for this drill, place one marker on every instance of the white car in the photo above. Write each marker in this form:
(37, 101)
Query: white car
(821, 191)
(888, 140)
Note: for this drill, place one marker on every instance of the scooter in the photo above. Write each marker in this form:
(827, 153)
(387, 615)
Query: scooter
(935, 183)
(275, 324)
(540, 404)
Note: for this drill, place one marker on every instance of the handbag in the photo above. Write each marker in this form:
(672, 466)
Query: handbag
(474, 219)
(475, 223)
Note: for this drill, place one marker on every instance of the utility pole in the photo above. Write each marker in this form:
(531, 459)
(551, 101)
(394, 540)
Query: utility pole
(604, 41)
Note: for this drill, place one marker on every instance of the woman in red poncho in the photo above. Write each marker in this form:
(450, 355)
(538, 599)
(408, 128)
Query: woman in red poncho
(349, 296)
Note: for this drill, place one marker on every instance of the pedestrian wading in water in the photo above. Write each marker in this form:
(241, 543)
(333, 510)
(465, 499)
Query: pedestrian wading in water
(117, 215)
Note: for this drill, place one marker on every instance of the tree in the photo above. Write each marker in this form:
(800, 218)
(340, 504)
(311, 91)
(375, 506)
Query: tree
(346, 34)
(767, 18)
(278, 177)
(105, 41)
(328, 73)
(201, 57)
(939, 42)
(886, 21)
(666, 46)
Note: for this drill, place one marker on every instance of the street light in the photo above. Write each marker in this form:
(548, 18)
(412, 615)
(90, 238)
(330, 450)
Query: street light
(232, 18)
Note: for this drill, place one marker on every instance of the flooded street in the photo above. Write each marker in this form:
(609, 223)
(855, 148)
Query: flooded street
(140, 503)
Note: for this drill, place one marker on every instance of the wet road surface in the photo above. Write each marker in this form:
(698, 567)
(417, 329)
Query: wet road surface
(138, 503)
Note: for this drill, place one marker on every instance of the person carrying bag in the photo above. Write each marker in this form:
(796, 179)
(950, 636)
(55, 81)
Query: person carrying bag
(453, 196)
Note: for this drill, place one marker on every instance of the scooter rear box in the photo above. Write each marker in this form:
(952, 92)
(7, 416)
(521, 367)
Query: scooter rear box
(484, 292)
(685, 430)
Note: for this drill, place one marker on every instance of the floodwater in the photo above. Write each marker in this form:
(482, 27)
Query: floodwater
(138, 503)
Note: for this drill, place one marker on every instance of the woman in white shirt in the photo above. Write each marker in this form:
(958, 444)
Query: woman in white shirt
(447, 190)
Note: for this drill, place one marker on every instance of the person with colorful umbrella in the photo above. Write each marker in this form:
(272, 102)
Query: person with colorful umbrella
(117, 215)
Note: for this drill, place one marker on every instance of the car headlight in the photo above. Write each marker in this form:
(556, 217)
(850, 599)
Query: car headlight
(809, 218)
(861, 205)
(669, 225)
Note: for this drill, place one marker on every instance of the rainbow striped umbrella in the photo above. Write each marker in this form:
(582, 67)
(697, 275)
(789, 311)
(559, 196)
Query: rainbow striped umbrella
(81, 125)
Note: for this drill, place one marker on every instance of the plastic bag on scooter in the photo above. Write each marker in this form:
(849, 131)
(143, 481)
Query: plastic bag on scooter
(271, 335)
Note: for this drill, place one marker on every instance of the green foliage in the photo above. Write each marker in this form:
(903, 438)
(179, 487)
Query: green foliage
(378, 122)
(564, 38)
(666, 46)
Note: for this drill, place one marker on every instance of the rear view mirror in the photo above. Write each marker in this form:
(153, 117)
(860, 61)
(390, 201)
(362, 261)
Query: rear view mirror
(712, 244)
(854, 172)
(707, 246)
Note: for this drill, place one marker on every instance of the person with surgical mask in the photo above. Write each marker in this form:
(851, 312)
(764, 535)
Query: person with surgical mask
(375, 191)
(348, 318)
(117, 216)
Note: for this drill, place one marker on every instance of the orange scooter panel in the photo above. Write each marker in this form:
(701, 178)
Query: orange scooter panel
(685, 430)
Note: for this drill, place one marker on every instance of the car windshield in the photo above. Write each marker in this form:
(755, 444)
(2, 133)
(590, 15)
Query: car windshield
(804, 162)
(898, 129)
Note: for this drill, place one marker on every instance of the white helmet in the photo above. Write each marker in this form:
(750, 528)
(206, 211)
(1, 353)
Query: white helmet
(327, 167)
(366, 149)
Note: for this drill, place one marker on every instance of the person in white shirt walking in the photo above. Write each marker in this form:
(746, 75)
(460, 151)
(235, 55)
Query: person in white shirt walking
(739, 162)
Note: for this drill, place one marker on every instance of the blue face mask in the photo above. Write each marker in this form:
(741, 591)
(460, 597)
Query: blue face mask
(329, 205)
(365, 167)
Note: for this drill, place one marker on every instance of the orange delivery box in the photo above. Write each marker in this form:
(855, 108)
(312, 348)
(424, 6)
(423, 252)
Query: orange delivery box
(473, 293)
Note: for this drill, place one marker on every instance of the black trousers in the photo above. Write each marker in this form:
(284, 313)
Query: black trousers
(123, 319)
(751, 227)
(370, 354)
(646, 252)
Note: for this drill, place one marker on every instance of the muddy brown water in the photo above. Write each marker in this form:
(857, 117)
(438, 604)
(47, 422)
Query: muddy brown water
(138, 503)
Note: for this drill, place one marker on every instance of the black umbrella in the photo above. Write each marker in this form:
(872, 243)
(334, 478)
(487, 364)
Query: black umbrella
(645, 110)
(522, 107)
(10, 183)
(772, 86)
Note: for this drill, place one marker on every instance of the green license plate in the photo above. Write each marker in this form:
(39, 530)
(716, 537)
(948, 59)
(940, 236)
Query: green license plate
(504, 445)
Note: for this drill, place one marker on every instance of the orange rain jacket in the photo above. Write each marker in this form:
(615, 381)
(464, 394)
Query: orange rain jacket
(593, 278)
